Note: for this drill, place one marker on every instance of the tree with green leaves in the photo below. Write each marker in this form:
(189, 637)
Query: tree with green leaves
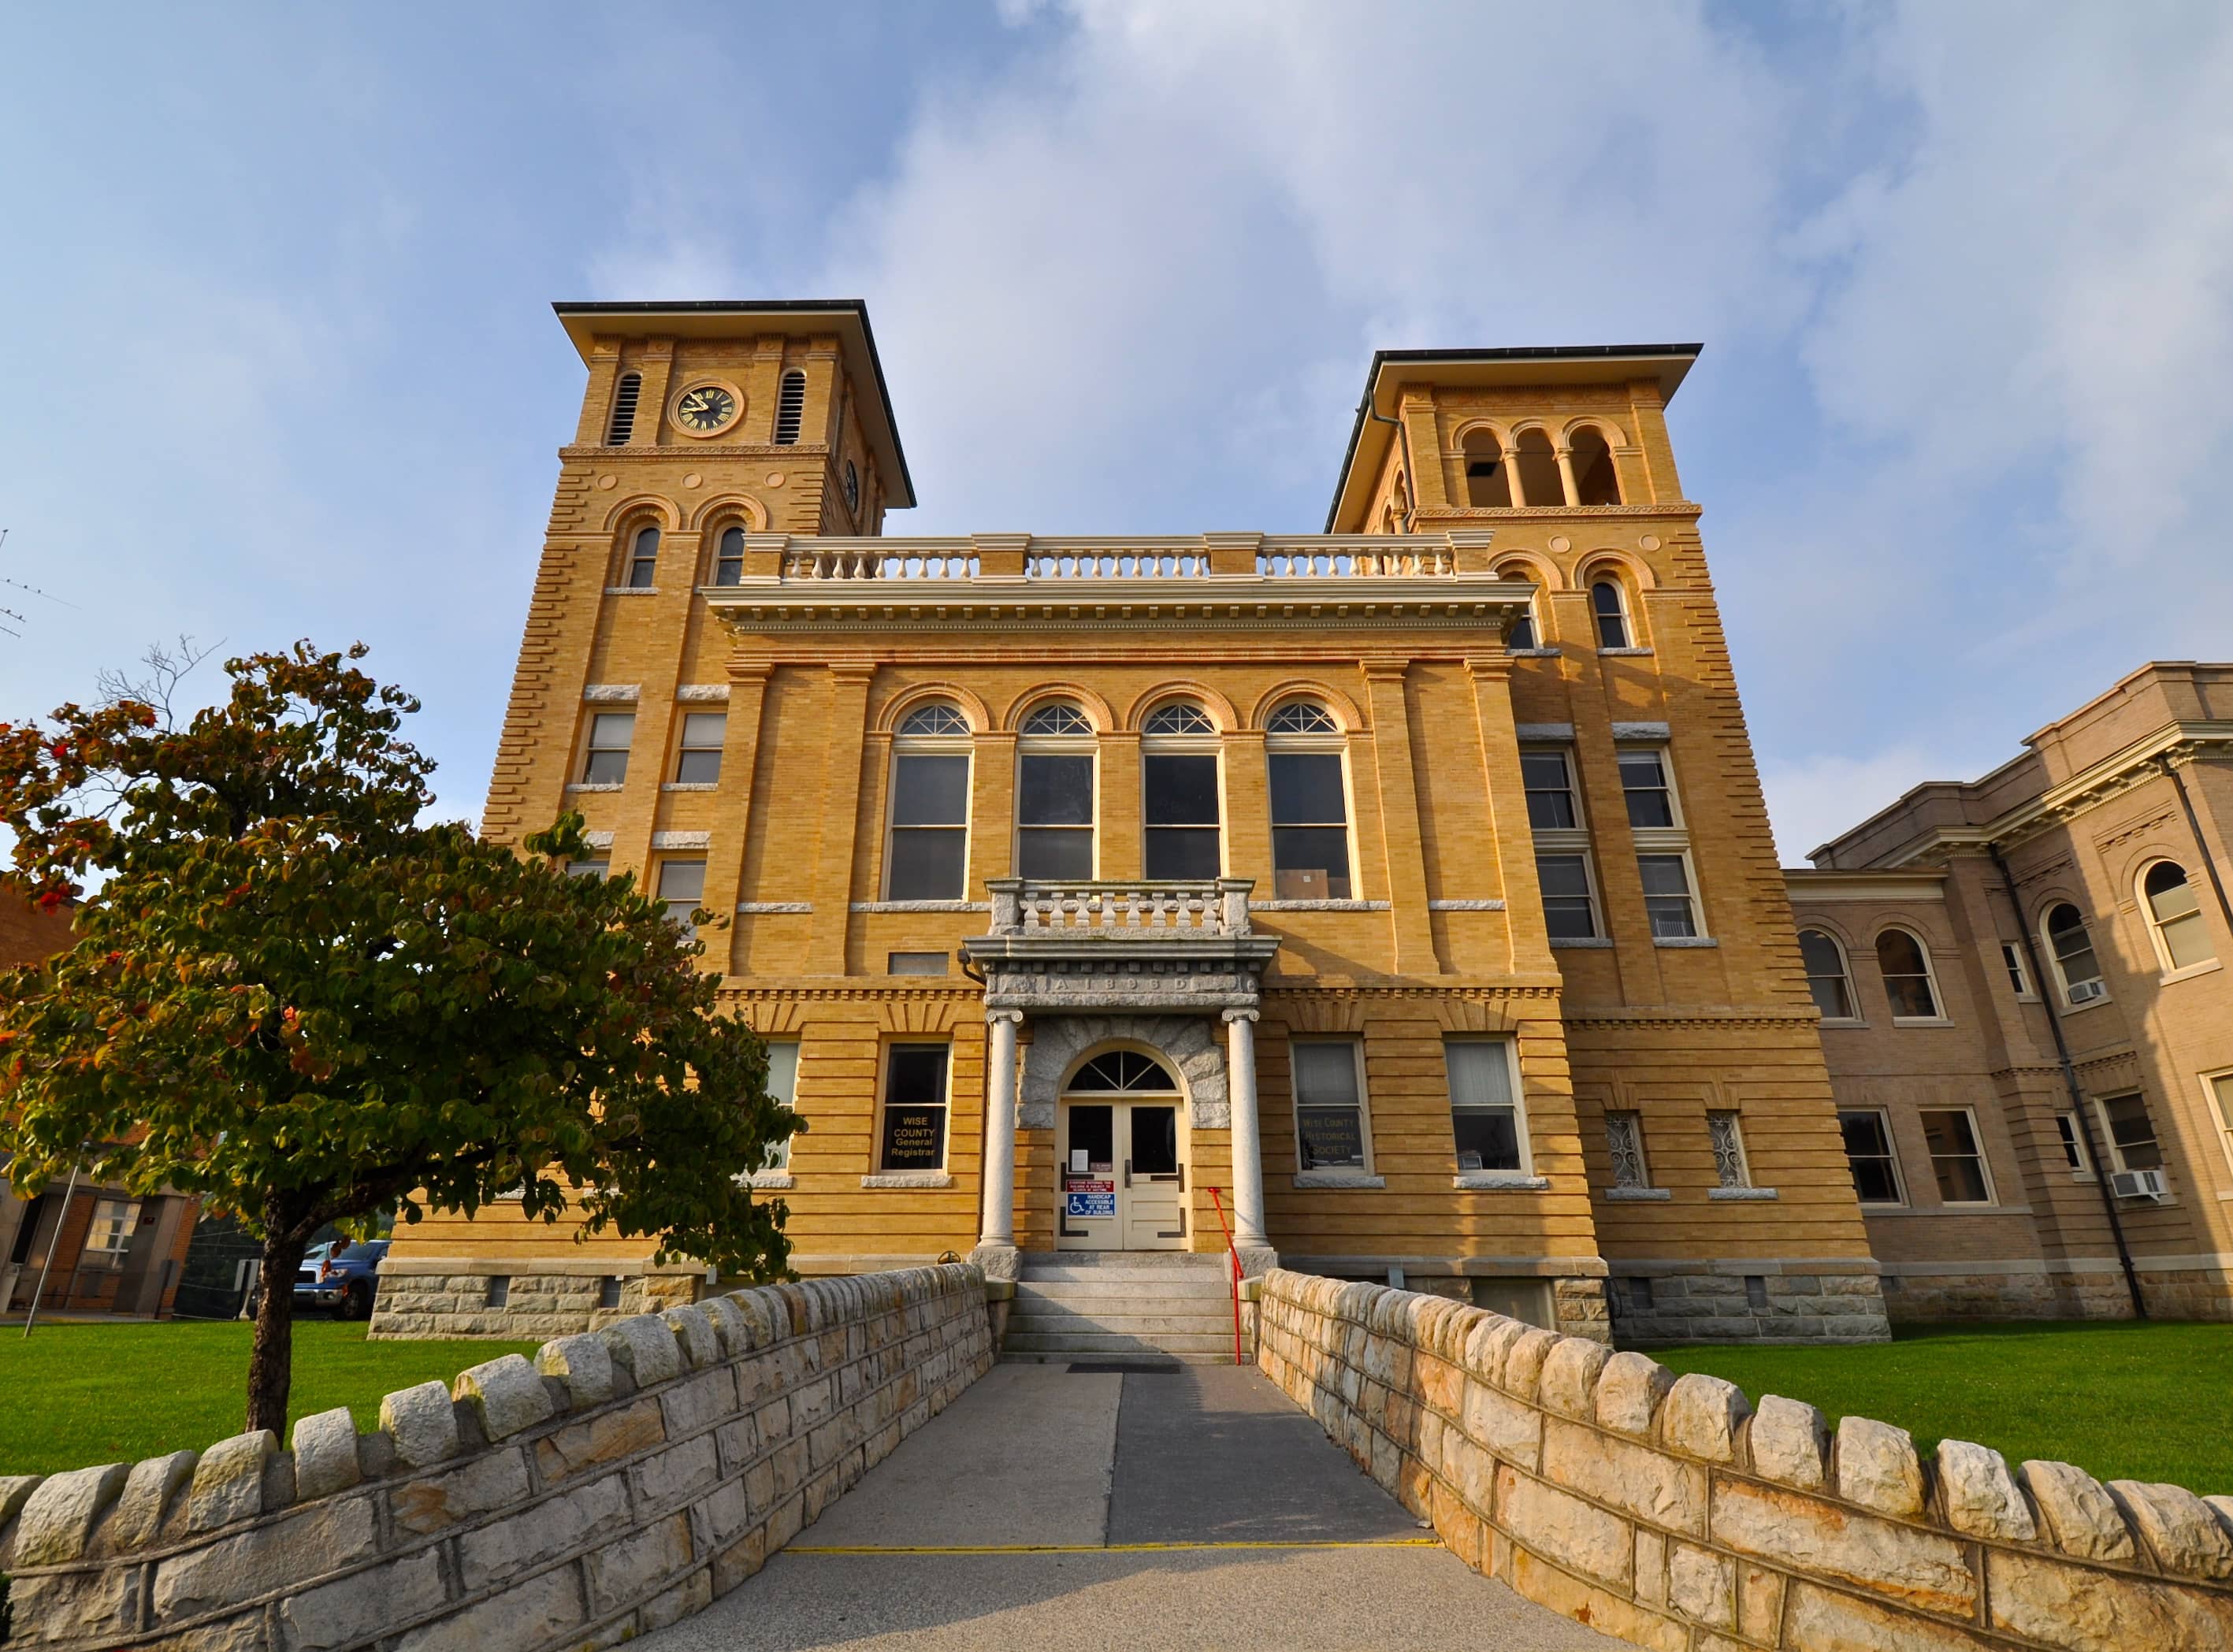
(289, 995)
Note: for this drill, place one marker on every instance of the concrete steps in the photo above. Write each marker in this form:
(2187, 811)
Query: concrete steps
(1122, 1305)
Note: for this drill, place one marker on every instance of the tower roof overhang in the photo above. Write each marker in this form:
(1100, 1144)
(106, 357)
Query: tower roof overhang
(1543, 364)
(848, 318)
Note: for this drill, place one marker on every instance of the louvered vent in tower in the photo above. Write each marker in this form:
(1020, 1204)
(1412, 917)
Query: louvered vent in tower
(624, 399)
(789, 408)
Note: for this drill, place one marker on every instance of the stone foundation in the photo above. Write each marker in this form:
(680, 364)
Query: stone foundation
(1922, 1293)
(1729, 1302)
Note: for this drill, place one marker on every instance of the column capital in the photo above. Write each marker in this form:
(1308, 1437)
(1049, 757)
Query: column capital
(1240, 1015)
(993, 1017)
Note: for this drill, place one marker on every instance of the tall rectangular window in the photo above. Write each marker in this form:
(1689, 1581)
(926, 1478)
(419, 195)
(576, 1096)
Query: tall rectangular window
(1666, 898)
(1485, 1117)
(914, 1133)
(2220, 1086)
(782, 1086)
(1643, 783)
(682, 887)
(2067, 1132)
(1179, 809)
(1569, 908)
(610, 733)
(1868, 1152)
(2012, 960)
(1054, 815)
(699, 761)
(1956, 1156)
(1726, 1136)
(115, 1220)
(1624, 1142)
(1329, 1102)
(1548, 777)
(1310, 827)
(2132, 1133)
(927, 857)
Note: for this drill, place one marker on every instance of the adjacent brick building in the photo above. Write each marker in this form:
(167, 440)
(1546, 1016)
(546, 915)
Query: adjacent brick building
(1401, 896)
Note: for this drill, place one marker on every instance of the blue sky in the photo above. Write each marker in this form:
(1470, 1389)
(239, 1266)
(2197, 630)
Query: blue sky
(279, 359)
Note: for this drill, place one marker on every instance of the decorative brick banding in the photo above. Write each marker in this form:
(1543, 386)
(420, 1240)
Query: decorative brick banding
(619, 1482)
(1669, 1512)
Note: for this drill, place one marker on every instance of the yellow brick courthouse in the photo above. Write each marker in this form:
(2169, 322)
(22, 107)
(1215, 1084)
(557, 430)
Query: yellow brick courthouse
(1400, 896)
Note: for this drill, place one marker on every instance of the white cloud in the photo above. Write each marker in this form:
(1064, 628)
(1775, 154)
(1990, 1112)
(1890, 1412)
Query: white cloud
(1814, 798)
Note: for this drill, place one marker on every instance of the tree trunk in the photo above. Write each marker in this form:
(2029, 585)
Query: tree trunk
(272, 1359)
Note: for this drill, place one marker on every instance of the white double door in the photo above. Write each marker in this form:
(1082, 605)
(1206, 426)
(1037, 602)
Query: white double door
(1121, 1175)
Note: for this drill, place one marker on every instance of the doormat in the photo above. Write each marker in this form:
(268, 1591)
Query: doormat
(1125, 1367)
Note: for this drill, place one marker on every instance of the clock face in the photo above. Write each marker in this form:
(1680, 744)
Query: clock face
(708, 407)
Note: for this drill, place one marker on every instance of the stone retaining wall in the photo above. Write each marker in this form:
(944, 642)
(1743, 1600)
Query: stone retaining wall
(621, 1480)
(1670, 1513)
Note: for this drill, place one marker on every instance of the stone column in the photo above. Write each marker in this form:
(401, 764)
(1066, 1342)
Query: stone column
(1247, 1144)
(1566, 474)
(996, 1242)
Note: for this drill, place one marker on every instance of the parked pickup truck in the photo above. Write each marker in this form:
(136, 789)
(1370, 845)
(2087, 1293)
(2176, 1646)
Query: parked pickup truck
(344, 1280)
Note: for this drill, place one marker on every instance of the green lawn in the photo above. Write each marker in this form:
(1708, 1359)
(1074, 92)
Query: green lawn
(2121, 1401)
(76, 1394)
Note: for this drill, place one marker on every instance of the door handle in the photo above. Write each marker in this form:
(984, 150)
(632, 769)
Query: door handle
(1128, 1173)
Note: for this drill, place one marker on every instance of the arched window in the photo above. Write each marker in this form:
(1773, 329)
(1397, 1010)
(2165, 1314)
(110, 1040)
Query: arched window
(1906, 968)
(1538, 468)
(2071, 946)
(1055, 794)
(1827, 983)
(626, 394)
(2175, 916)
(1608, 602)
(1309, 803)
(729, 558)
(1523, 633)
(643, 559)
(789, 408)
(1590, 459)
(852, 487)
(1123, 1072)
(927, 846)
(1180, 798)
(1488, 482)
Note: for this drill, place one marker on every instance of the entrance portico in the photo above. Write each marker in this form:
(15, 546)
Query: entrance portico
(1171, 972)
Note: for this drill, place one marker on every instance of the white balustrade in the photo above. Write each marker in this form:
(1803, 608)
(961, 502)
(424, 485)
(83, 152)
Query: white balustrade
(1120, 911)
(1311, 556)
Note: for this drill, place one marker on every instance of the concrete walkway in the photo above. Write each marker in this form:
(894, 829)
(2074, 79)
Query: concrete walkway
(1055, 1509)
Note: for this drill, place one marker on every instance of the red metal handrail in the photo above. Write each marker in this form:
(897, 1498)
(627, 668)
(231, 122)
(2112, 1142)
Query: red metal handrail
(1218, 1205)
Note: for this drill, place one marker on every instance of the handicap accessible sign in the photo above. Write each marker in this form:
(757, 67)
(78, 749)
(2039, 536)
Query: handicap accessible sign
(1085, 1200)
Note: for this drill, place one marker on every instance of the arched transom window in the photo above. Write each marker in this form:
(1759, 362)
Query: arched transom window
(2071, 946)
(927, 846)
(1309, 803)
(1302, 717)
(1055, 794)
(1179, 716)
(2175, 916)
(1124, 1072)
(1827, 980)
(1906, 968)
(1181, 796)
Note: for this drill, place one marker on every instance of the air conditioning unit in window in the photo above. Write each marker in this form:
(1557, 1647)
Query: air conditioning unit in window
(2086, 991)
(2137, 1184)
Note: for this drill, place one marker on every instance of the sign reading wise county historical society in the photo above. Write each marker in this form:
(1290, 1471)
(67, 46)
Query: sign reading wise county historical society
(1086, 1199)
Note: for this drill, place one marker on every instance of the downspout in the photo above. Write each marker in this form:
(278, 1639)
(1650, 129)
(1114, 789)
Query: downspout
(2201, 843)
(2070, 1082)
(1411, 470)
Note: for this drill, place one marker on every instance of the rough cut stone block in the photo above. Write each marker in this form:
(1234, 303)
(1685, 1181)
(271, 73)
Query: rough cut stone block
(1790, 1442)
(639, 1564)
(2055, 1604)
(1981, 1497)
(60, 1514)
(731, 1324)
(507, 1394)
(89, 1609)
(1606, 1612)
(1631, 1476)
(1567, 1530)
(266, 1558)
(481, 1486)
(1569, 1379)
(14, 1490)
(1701, 1417)
(556, 1526)
(520, 1620)
(360, 1608)
(1524, 1360)
(2179, 1525)
(325, 1453)
(582, 1363)
(1702, 1585)
(423, 1423)
(693, 1329)
(1630, 1389)
(1922, 1569)
(1878, 1466)
(2081, 1516)
(146, 1498)
(1833, 1622)
(228, 1483)
(645, 1348)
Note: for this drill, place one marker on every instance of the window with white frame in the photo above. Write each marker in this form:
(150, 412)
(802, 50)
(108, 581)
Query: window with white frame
(782, 1087)
(605, 762)
(1180, 793)
(1570, 902)
(1054, 794)
(1956, 1158)
(1609, 607)
(1645, 784)
(729, 557)
(1828, 982)
(682, 889)
(2182, 935)
(2071, 1136)
(1304, 752)
(926, 844)
(1486, 1120)
(1670, 901)
(1547, 775)
(599, 867)
(1624, 1145)
(2019, 978)
(642, 569)
(114, 1221)
(1726, 1136)
(1331, 1131)
(1867, 1132)
(2070, 944)
(2220, 1088)
(912, 1136)
(2132, 1133)
(1904, 963)
(698, 760)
